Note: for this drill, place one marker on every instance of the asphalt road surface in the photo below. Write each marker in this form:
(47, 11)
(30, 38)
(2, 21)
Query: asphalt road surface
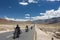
(24, 36)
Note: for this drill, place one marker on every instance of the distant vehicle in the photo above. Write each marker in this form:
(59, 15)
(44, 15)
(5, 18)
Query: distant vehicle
(26, 29)
(31, 27)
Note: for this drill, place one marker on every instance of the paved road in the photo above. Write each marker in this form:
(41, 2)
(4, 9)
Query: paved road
(24, 36)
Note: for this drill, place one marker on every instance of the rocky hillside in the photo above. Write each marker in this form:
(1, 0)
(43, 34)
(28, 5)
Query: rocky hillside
(48, 21)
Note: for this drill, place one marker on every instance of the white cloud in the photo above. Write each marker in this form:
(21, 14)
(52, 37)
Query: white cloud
(33, 1)
(41, 14)
(13, 19)
(21, 20)
(27, 17)
(28, 2)
(9, 18)
(52, 0)
(23, 3)
(27, 14)
(48, 14)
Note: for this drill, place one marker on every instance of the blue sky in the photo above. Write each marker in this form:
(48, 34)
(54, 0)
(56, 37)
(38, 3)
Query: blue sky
(13, 9)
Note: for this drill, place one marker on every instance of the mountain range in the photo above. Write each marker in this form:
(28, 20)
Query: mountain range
(40, 21)
(48, 21)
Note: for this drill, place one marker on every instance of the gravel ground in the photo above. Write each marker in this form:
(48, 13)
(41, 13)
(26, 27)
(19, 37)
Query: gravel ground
(44, 36)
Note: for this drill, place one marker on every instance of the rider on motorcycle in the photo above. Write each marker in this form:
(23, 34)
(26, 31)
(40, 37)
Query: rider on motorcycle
(17, 32)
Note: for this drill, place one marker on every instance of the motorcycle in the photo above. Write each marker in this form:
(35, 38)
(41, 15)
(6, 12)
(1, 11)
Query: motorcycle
(16, 34)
